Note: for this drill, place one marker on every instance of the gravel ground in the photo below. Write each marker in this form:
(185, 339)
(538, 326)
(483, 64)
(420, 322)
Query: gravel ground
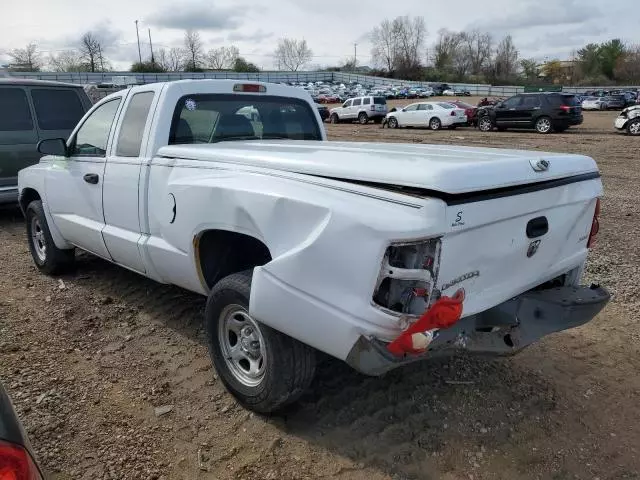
(110, 373)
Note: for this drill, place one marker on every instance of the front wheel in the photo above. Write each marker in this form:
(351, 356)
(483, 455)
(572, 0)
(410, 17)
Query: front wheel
(363, 118)
(47, 257)
(485, 124)
(435, 123)
(633, 127)
(262, 368)
(543, 125)
(334, 118)
(393, 122)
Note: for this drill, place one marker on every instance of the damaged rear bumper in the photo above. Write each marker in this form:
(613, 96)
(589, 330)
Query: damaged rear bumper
(502, 330)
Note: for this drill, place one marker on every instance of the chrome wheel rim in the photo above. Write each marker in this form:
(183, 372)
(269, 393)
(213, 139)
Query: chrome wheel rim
(38, 240)
(634, 128)
(485, 124)
(393, 123)
(435, 124)
(544, 125)
(242, 344)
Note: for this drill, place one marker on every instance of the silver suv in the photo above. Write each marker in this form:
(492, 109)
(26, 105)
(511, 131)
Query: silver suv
(361, 109)
(30, 111)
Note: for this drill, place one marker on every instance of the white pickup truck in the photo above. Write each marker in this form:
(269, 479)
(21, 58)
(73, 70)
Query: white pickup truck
(302, 244)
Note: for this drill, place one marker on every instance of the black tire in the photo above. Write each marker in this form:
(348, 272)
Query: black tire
(289, 365)
(633, 127)
(485, 124)
(334, 119)
(393, 122)
(543, 125)
(435, 123)
(363, 118)
(48, 258)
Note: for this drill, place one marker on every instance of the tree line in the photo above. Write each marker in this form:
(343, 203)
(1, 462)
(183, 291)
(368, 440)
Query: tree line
(399, 50)
(89, 56)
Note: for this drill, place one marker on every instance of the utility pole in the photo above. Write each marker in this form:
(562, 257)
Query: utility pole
(100, 57)
(138, 36)
(153, 61)
(355, 55)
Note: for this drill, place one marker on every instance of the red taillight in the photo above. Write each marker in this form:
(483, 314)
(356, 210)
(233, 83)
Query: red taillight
(565, 108)
(16, 463)
(595, 226)
(249, 87)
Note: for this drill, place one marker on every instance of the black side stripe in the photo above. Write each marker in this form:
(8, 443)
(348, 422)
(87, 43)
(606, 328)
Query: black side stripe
(481, 195)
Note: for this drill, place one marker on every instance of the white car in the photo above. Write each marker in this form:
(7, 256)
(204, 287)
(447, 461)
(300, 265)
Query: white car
(629, 120)
(593, 103)
(376, 254)
(434, 115)
(426, 92)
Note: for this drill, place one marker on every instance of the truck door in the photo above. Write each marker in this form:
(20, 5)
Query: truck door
(122, 230)
(74, 184)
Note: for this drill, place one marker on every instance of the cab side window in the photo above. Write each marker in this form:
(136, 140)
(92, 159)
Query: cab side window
(17, 114)
(91, 139)
(366, 101)
(132, 129)
(347, 104)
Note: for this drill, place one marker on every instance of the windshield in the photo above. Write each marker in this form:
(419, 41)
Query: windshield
(448, 106)
(210, 118)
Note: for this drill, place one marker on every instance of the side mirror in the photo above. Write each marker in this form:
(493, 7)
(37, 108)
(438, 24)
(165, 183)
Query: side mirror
(404, 109)
(53, 146)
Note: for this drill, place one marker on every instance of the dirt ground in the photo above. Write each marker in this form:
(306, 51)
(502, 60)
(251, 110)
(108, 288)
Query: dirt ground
(89, 356)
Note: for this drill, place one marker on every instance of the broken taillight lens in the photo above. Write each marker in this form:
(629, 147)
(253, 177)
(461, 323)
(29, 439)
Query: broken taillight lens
(595, 226)
(407, 276)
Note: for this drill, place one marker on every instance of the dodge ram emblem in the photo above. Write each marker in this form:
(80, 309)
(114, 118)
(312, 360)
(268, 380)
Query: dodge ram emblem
(533, 248)
(540, 165)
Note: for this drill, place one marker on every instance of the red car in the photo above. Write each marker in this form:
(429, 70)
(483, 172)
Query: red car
(469, 110)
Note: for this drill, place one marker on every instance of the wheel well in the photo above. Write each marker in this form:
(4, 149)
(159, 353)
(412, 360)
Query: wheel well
(27, 196)
(220, 253)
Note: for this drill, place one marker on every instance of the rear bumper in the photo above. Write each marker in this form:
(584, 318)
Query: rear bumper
(502, 330)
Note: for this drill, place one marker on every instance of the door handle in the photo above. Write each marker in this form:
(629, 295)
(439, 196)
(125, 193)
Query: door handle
(91, 178)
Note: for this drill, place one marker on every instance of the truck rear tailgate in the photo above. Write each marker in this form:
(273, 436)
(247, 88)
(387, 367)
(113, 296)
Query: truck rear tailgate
(488, 251)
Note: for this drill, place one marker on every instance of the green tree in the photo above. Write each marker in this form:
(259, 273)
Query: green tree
(610, 52)
(529, 68)
(241, 65)
(588, 59)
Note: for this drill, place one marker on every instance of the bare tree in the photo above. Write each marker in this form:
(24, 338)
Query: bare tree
(222, 58)
(91, 52)
(67, 61)
(292, 54)
(506, 60)
(26, 59)
(385, 45)
(445, 49)
(194, 50)
(171, 60)
(628, 67)
(477, 46)
(398, 45)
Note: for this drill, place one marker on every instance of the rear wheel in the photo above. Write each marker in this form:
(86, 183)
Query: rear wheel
(47, 257)
(633, 127)
(363, 118)
(543, 125)
(485, 124)
(393, 122)
(261, 367)
(334, 118)
(435, 123)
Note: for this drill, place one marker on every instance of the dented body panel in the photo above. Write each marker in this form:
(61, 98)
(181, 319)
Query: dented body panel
(362, 238)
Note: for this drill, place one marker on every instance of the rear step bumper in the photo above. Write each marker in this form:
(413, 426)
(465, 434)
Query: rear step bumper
(502, 330)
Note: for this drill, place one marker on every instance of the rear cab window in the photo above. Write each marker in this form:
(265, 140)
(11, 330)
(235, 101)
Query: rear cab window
(57, 109)
(211, 118)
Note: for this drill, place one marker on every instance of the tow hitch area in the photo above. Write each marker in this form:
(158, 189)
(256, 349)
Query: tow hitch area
(502, 330)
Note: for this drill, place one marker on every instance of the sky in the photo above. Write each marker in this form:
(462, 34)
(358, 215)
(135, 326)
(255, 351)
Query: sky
(549, 29)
